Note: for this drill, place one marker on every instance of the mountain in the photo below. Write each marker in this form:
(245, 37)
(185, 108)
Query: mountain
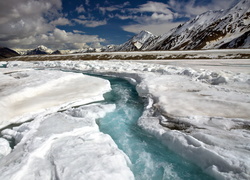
(56, 52)
(211, 30)
(138, 42)
(6, 52)
(40, 50)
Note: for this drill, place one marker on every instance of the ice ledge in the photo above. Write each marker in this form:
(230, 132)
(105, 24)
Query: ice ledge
(66, 145)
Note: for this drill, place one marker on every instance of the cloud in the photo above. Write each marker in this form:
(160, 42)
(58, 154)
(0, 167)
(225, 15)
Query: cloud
(155, 17)
(157, 29)
(95, 45)
(80, 9)
(155, 7)
(63, 36)
(58, 39)
(78, 32)
(29, 23)
(118, 7)
(82, 17)
(123, 17)
(91, 23)
(14, 10)
(192, 8)
(61, 22)
(26, 17)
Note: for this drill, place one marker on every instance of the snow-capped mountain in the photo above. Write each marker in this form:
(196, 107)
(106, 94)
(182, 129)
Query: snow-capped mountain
(85, 50)
(40, 50)
(56, 52)
(211, 30)
(138, 42)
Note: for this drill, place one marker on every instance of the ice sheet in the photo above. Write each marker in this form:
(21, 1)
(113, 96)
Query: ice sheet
(202, 114)
(25, 91)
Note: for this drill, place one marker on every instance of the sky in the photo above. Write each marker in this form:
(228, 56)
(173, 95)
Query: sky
(77, 24)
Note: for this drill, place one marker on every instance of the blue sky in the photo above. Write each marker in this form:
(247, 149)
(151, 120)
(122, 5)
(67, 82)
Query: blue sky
(75, 24)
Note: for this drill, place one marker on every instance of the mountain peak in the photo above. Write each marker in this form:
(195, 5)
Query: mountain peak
(145, 32)
(140, 39)
(41, 49)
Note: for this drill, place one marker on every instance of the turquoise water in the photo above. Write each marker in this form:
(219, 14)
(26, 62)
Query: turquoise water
(3, 65)
(150, 159)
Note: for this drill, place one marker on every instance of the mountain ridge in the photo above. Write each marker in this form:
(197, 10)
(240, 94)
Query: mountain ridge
(210, 30)
(6, 52)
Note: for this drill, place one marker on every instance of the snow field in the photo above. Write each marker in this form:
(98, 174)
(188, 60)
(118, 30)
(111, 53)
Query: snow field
(32, 91)
(60, 142)
(66, 145)
(201, 114)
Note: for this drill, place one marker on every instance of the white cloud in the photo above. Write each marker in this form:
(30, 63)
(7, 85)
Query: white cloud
(91, 23)
(124, 17)
(82, 17)
(78, 32)
(157, 29)
(61, 22)
(155, 7)
(162, 17)
(118, 7)
(58, 39)
(80, 9)
(63, 36)
(155, 17)
(95, 45)
(29, 23)
(192, 8)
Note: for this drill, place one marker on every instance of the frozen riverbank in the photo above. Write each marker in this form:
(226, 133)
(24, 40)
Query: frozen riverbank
(57, 140)
(201, 114)
(29, 91)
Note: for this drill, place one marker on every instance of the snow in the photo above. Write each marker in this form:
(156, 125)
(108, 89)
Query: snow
(142, 38)
(25, 91)
(135, 43)
(4, 147)
(201, 114)
(215, 28)
(63, 140)
(66, 145)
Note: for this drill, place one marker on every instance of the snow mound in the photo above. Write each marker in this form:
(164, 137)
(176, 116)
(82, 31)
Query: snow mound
(63, 146)
(25, 92)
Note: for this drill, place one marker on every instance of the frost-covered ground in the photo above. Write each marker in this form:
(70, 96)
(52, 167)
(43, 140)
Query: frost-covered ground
(201, 114)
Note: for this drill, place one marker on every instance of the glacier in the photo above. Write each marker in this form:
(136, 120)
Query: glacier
(201, 114)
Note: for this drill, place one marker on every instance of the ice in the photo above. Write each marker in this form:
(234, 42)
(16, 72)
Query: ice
(26, 91)
(201, 114)
(4, 147)
(66, 145)
(63, 140)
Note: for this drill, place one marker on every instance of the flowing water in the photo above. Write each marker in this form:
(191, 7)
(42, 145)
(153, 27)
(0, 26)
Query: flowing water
(150, 159)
